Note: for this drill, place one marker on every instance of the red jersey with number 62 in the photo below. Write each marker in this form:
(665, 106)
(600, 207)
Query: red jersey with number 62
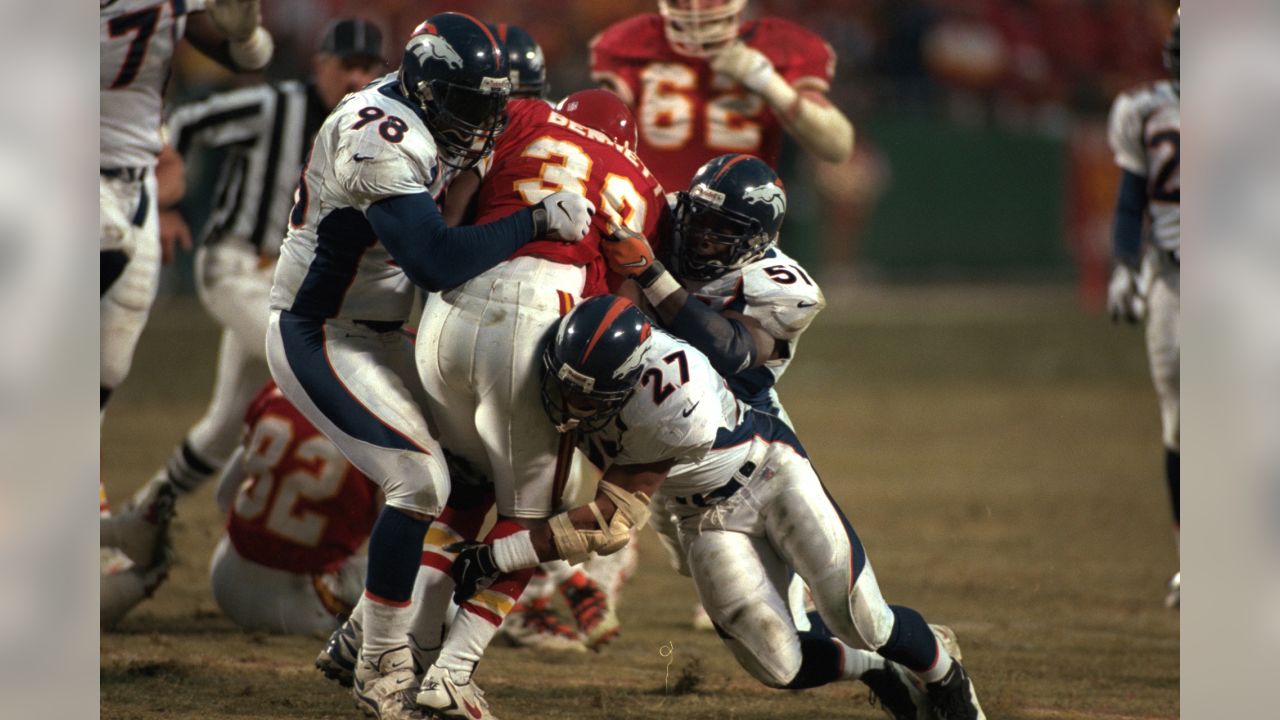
(302, 508)
(686, 113)
(542, 152)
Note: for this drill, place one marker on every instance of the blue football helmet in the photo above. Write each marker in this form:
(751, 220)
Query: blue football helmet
(455, 71)
(592, 362)
(729, 217)
(525, 62)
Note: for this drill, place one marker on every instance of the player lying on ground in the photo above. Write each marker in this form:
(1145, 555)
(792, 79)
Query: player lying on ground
(297, 513)
(653, 413)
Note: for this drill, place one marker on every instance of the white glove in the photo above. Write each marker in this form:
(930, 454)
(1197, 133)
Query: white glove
(746, 66)
(1124, 296)
(562, 216)
(237, 19)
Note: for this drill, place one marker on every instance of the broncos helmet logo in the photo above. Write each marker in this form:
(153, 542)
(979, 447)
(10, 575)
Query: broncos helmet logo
(429, 46)
(770, 195)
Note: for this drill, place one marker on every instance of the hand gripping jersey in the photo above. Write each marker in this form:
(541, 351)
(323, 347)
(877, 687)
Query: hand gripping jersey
(784, 298)
(372, 146)
(136, 39)
(688, 115)
(541, 152)
(1144, 131)
(303, 509)
(683, 410)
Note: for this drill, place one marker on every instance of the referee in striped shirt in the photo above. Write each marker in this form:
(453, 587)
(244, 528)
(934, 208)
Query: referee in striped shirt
(266, 132)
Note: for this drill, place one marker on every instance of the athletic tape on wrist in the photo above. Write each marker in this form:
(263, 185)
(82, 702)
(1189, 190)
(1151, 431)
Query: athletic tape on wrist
(661, 288)
(253, 53)
(515, 552)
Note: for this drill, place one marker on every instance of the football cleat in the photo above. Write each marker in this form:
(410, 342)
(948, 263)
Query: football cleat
(540, 627)
(142, 528)
(953, 696)
(338, 658)
(1173, 600)
(449, 699)
(596, 618)
(384, 689)
(898, 693)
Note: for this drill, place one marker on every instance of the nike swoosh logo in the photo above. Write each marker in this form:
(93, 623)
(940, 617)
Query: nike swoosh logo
(690, 409)
(472, 710)
(803, 304)
(637, 264)
(560, 204)
(361, 158)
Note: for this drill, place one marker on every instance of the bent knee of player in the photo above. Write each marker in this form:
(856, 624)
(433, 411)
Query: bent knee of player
(872, 618)
(775, 668)
(419, 486)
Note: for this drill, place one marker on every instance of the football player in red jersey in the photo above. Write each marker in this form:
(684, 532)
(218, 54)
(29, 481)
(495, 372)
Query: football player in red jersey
(297, 514)
(703, 83)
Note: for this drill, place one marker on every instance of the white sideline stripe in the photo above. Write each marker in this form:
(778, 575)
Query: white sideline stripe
(1092, 714)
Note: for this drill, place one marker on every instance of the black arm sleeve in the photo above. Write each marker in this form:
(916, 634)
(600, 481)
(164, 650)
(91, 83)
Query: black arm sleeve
(725, 341)
(435, 256)
(1126, 231)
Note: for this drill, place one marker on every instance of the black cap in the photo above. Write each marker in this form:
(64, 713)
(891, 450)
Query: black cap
(352, 36)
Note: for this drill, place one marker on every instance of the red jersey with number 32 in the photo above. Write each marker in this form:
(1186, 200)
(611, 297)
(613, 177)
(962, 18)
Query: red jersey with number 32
(302, 508)
(542, 152)
(686, 113)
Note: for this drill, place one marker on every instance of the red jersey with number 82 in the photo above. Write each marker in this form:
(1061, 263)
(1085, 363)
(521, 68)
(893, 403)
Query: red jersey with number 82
(542, 152)
(302, 508)
(686, 113)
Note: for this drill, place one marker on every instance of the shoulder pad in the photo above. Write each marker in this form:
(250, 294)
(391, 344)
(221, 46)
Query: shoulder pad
(796, 51)
(375, 158)
(636, 38)
(782, 296)
(1129, 114)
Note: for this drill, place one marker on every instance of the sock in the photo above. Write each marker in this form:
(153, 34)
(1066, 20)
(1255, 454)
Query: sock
(393, 565)
(856, 662)
(433, 593)
(480, 617)
(821, 661)
(186, 470)
(1173, 477)
(913, 645)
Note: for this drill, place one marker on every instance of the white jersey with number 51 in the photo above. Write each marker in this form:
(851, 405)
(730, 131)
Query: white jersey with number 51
(776, 291)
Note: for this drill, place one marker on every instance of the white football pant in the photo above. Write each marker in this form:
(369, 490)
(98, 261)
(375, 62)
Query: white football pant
(1163, 341)
(263, 599)
(479, 356)
(125, 307)
(741, 552)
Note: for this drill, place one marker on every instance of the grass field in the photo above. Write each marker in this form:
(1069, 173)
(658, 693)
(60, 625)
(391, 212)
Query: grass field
(997, 451)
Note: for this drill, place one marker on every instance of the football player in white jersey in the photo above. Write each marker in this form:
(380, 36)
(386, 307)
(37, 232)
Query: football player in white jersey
(654, 413)
(731, 292)
(365, 230)
(137, 44)
(1144, 132)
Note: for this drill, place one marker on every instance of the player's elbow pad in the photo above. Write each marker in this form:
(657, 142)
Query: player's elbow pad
(435, 256)
(1126, 231)
(725, 341)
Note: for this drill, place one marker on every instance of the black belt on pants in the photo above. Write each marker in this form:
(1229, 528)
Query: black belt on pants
(132, 174)
(724, 492)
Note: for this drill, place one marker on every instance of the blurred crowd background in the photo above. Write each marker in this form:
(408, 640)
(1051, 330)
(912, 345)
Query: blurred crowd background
(981, 150)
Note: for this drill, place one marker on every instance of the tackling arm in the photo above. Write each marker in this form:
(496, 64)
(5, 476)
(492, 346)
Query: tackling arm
(1126, 231)
(230, 32)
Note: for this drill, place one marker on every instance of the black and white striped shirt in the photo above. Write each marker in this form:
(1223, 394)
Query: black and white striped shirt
(267, 131)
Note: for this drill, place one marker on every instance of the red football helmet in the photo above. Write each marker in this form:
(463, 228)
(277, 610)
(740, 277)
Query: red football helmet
(603, 111)
(700, 28)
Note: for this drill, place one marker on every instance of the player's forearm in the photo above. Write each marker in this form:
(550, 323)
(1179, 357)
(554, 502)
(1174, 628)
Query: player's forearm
(726, 342)
(246, 54)
(435, 256)
(1126, 229)
(818, 126)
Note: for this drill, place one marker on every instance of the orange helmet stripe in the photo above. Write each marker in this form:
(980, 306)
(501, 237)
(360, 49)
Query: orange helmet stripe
(617, 308)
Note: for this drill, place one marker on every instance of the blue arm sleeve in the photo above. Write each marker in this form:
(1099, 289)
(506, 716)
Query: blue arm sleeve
(1126, 232)
(725, 341)
(435, 256)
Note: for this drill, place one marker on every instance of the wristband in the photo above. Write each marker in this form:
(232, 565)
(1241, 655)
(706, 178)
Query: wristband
(515, 552)
(254, 52)
(660, 287)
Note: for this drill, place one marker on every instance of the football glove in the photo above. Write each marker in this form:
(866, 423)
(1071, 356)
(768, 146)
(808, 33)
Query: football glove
(562, 216)
(744, 65)
(474, 569)
(1124, 296)
(627, 251)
